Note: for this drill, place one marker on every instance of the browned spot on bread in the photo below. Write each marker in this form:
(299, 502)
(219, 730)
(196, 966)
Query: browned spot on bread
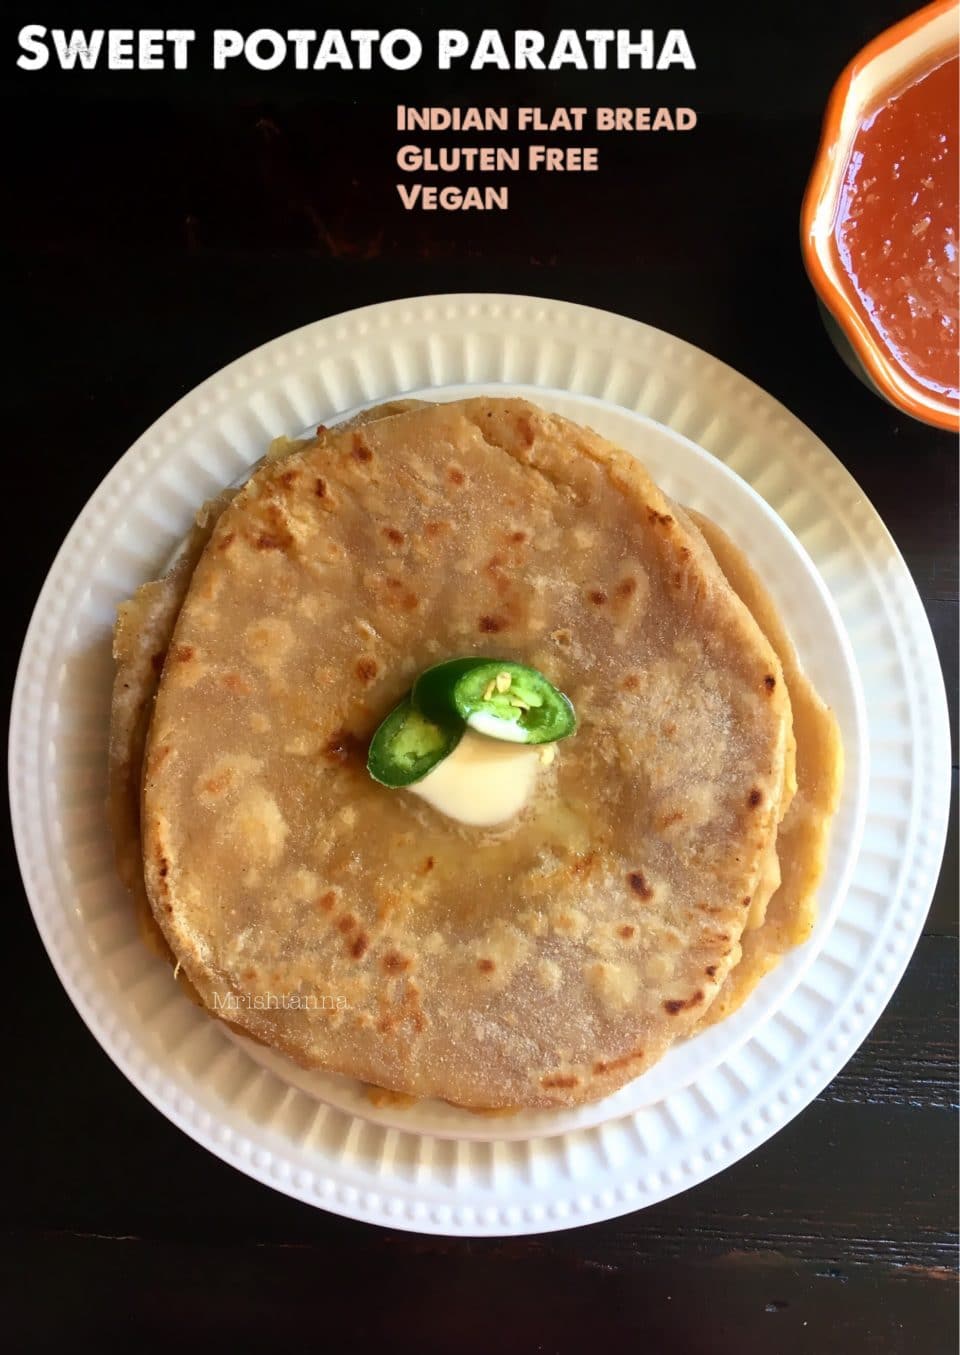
(518, 536)
(670, 729)
(597, 596)
(428, 865)
(342, 746)
(491, 624)
(163, 868)
(679, 1004)
(326, 901)
(346, 923)
(235, 683)
(159, 756)
(455, 475)
(360, 451)
(626, 931)
(486, 966)
(249, 975)
(769, 682)
(320, 487)
(216, 785)
(638, 883)
(183, 653)
(582, 865)
(560, 1080)
(360, 946)
(395, 963)
(156, 661)
(321, 429)
(630, 683)
(754, 798)
(289, 477)
(434, 529)
(402, 594)
(662, 519)
(366, 669)
(710, 971)
(666, 820)
(626, 588)
(272, 540)
(563, 637)
(684, 553)
(395, 535)
(225, 540)
(610, 1065)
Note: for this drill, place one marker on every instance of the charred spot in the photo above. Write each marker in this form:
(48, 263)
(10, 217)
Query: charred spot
(661, 519)
(597, 596)
(395, 535)
(428, 865)
(320, 487)
(403, 596)
(360, 451)
(486, 966)
(610, 1065)
(626, 931)
(342, 746)
(769, 682)
(366, 669)
(346, 923)
(489, 625)
(321, 429)
(626, 588)
(272, 540)
(289, 478)
(560, 1080)
(395, 963)
(638, 883)
(710, 971)
(326, 901)
(163, 868)
(156, 661)
(518, 537)
(754, 798)
(360, 946)
(679, 1004)
(747, 901)
(455, 475)
(631, 683)
(525, 430)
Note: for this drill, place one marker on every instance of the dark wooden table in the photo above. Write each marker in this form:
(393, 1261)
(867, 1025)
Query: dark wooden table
(160, 227)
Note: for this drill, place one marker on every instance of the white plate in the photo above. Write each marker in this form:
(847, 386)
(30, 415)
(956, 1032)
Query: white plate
(709, 1102)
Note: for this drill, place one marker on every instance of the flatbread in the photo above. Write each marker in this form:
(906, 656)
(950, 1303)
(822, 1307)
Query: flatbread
(545, 964)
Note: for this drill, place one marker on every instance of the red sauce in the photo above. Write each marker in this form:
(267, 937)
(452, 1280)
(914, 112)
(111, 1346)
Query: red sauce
(897, 225)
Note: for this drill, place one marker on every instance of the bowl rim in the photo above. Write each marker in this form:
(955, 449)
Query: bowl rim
(898, 388)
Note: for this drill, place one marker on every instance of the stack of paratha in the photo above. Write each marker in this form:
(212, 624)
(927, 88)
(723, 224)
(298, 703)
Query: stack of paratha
(670, 855)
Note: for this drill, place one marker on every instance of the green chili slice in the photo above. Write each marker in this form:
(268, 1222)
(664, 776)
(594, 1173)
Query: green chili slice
(407, 745)
(495, 697)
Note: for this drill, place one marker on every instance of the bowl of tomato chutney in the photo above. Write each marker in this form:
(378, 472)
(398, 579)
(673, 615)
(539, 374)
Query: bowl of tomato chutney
(880, 220)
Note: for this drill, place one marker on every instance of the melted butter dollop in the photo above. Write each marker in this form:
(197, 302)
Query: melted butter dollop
(484, 781)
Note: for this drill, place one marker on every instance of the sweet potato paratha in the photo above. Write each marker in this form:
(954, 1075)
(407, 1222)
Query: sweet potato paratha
(542, 964)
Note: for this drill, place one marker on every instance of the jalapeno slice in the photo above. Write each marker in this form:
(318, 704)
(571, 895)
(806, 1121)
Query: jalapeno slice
(408, 745)
(495, 697)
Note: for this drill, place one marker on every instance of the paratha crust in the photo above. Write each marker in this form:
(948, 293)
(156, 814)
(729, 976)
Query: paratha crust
(543, 965)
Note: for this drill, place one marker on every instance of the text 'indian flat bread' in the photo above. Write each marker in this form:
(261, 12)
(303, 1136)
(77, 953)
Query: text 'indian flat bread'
(545, 963)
